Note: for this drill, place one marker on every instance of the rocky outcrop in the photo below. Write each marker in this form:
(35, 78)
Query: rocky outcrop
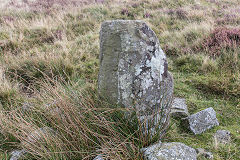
(167, 151)
(203, 120)
(134, 71)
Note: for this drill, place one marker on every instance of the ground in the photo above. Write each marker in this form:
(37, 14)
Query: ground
(49, 56)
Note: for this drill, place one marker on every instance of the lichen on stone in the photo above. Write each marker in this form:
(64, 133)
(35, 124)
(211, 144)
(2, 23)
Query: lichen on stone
(133, 68)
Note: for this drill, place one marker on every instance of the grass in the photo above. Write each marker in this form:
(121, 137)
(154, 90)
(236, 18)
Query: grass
(49, 52)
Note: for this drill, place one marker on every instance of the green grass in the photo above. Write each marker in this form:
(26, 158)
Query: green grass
(56, 50)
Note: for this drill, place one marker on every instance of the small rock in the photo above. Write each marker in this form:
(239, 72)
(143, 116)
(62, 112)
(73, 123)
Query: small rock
(40, 135)
(203, 120)
(167, 151)
(179, 108)
(17, 154)
(202, 153)
(222, 136)
(99, 157)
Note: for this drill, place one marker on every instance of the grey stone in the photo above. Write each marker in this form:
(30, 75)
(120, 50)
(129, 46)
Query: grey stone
(99, 157)
(18, 154)
(222, 136)
(134, 70)
(179, 108)
(169, 151)
(203, 120)
(202, 153)
(40, 134)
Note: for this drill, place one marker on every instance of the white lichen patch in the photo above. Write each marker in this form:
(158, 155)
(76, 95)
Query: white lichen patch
(124, 83)
(157, 65)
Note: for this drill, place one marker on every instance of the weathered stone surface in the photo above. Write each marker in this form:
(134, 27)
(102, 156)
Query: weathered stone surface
(203, 120)
(99, 157)
(169, 151)
(134, 70)
(179, 108)
(222, 136)
(18, 154)
(202, 153)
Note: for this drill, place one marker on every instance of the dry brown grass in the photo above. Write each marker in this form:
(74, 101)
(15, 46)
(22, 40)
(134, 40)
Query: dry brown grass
(81, 126)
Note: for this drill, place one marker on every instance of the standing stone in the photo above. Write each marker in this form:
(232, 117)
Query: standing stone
(134, 71)
(169, 151)
(203, 120)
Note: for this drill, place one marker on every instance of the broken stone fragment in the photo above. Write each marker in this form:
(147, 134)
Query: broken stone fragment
(179, 108)
(202, 153)
(168, 151)
(18, 154)
(134, 71)
(203, 120)
(222, 136)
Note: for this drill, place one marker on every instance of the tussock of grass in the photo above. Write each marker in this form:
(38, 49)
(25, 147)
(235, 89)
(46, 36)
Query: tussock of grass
(83, 124)
(31, 72)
